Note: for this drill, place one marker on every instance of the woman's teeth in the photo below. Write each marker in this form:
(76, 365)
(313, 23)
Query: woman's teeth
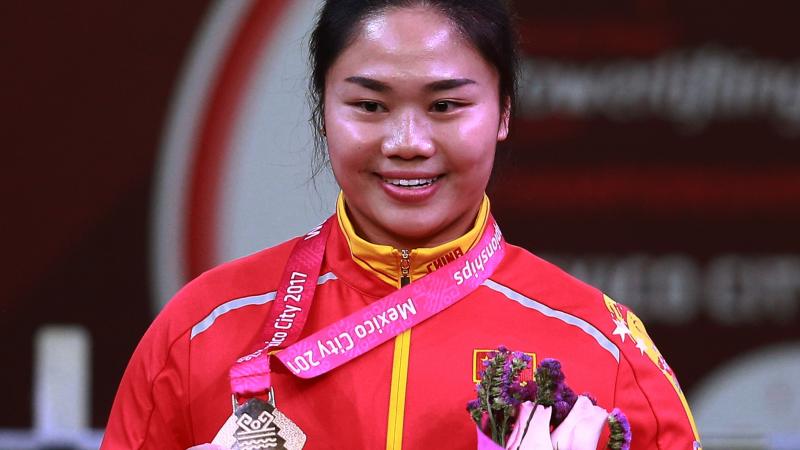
(411, 183)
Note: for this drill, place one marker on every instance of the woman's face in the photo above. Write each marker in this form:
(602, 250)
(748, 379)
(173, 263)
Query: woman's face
(412, 118)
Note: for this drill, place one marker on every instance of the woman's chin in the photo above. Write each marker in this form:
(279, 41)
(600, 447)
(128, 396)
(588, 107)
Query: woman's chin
(420, 229)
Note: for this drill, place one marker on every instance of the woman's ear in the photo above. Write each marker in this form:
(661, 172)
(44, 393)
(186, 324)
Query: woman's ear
(505, 119)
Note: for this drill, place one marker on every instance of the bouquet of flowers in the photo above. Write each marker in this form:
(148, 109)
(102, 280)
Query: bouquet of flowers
(542, 414)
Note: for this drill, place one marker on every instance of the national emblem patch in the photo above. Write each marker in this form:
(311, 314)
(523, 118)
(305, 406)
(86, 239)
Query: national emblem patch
(481, 355)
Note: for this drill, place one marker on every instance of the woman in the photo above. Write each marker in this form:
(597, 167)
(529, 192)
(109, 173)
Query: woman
(412, 98)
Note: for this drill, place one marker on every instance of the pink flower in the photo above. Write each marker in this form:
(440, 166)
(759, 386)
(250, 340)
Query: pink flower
(537, 421)
(581, 429)
(536, 437)
(485, 442)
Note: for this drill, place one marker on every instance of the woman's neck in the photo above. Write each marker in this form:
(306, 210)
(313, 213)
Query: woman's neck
(377, 235)
(385, 260)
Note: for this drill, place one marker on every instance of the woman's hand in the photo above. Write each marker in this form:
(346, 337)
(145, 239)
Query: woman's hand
(208, 447)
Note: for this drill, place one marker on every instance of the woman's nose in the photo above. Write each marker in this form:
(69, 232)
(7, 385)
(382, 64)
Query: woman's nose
(408, 137)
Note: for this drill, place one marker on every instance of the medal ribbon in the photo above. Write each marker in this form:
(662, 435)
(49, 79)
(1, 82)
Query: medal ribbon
(367, 328)
(250, 375)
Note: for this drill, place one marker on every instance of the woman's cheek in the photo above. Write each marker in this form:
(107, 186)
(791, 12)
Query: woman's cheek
(354, 136)
(479, 129)
(473, 147)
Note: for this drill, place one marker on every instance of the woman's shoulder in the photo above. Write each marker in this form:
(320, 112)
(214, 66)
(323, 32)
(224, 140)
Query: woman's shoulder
(527, 277)
(254, 271)
(237, 280)
(541, 278)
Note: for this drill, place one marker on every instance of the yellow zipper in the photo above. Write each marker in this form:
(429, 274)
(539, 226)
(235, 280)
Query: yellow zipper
(402, 346)
(405, 267)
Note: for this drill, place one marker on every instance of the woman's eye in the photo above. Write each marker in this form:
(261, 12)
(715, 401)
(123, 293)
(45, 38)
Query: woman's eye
(371, 106)
(443, 106)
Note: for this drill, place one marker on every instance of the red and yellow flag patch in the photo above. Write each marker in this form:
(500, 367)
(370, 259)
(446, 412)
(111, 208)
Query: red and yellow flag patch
(481, 355)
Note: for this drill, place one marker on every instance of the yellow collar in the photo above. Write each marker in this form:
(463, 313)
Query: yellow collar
(384, 261)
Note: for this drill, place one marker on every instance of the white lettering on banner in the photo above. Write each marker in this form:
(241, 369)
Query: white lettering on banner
(303, 362)
(344, 342)
(285, 320)
(406, 309)
(676, 288)
(314, 232)
(246, 358)
(473, 267)
(296, 286)
(335, 345)
(691, 87)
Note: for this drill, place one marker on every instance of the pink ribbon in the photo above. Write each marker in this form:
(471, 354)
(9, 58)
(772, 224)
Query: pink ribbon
(363, 330)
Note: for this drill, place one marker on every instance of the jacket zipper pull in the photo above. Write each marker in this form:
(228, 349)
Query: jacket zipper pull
(405, 266)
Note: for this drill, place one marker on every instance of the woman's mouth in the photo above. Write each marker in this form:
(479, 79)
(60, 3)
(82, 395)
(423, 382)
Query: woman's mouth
(411, 183)
(410, 187)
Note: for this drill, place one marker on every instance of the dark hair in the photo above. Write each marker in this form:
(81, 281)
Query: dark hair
(487, 24)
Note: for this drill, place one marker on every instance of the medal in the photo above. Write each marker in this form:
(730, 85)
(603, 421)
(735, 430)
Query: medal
(259, 425)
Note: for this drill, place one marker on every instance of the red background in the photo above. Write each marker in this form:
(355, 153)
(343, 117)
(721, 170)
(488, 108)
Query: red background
(85, 91)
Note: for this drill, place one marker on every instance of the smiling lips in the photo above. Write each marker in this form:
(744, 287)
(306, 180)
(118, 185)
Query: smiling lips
(411, 183)
(410, 188)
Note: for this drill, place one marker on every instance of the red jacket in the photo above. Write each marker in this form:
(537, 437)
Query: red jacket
(175, 392)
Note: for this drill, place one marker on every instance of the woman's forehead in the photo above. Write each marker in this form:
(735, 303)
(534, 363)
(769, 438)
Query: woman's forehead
(409, 28)
(411, 43)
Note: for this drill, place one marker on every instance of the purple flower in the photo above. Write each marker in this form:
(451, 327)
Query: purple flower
(499, 392)
(530, 390)
(569, 396)
(560, 411)
(565, 400)
(523, 357)
(521, 392)
(553, 369)
(550, 380)
(620, 431)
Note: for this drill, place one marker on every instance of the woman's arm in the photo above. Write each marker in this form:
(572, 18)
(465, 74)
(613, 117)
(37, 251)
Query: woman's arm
(648, 392)
(151, 408)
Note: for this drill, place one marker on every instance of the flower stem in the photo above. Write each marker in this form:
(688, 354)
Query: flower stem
(491, 416)
(527, 424)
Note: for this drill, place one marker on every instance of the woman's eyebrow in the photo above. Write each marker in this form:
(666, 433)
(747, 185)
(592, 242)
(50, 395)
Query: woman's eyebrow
(434, 86)
(369, 83)
(443, 85)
